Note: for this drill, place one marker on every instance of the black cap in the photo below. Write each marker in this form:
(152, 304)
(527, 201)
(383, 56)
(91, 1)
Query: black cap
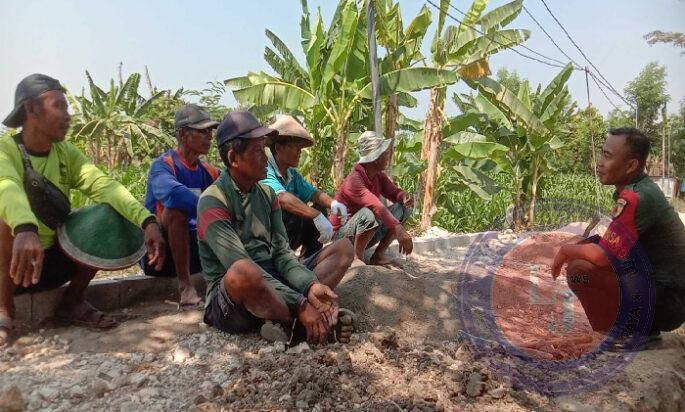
(30, 87)
(193, 116)
(241, 125)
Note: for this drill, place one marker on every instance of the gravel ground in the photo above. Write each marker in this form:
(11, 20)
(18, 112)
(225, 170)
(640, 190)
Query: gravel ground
(406, 357)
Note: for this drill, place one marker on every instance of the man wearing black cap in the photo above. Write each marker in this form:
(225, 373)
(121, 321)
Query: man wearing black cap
(29, 258)
(253, 277)
(175, 182)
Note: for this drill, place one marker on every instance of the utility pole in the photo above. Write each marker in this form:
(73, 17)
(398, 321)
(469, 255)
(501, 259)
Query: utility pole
(373, 61)
(664, 117)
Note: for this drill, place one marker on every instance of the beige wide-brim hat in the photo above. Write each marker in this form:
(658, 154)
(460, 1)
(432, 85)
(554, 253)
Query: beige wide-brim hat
(371, 146)
(288, 126)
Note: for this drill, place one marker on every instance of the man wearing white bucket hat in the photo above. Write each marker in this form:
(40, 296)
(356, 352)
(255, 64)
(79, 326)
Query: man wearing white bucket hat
(371, 221)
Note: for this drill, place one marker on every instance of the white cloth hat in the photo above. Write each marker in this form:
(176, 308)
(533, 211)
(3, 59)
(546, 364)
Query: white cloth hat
(371, 146)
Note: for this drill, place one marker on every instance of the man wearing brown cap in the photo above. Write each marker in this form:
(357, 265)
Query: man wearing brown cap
(39, 157)
(253, 278)
(307, 226)
(175, 182)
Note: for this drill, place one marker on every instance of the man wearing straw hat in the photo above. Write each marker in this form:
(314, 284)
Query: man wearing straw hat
(30, 260)
(175, 182)
(371, 222)
(307, 227)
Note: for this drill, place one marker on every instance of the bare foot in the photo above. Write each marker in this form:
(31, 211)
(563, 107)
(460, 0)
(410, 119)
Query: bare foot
(5, 329)
(381, 260)
(189, 297)
(345, 327)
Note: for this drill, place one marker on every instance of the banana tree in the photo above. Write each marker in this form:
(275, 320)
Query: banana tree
(403, 50)
(109, 125)
(329, 90)
(463, 49)
(530, 125)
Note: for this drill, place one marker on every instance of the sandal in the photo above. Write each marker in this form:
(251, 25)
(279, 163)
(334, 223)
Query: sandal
(5, 329)
(87, 316)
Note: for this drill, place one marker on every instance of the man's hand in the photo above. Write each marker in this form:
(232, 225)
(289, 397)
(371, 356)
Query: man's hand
(404, 239)
(314, 322)
(324, 227)
(407, 200)
(156, 246)
(27, 259)
(559, 261)
(340, 210)
(325, 301)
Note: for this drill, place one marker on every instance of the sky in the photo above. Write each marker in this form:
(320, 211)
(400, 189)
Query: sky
(186, 44)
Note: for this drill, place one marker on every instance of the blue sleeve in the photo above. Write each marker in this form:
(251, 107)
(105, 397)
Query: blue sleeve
(168, 190)
(272, 180)
(303, 189)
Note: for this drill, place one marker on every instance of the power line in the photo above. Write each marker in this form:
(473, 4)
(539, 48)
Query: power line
(519, 45)
(551, 38)
(594, 79)
(562, 65)
(608, 84)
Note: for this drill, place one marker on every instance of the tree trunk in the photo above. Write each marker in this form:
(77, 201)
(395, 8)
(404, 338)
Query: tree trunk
(390, 125)
(533, 194)
(430, 151)
(340, 156)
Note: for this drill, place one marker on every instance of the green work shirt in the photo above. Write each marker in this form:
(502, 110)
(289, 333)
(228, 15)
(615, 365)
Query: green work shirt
(234, 225)
(642, 216)
(67, 168)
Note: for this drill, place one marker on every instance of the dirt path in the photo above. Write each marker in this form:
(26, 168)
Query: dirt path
(408, 357)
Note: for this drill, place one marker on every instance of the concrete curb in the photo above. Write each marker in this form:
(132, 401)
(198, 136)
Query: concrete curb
(105, 294)
(113, 294)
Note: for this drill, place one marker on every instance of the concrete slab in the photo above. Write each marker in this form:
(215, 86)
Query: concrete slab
(22, 307)
(104, 294)
(43, 304)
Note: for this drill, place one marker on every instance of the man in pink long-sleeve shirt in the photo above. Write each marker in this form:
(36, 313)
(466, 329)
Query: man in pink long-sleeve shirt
(371, 221)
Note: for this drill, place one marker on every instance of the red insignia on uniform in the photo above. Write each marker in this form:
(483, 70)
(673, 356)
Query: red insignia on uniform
(618, 208)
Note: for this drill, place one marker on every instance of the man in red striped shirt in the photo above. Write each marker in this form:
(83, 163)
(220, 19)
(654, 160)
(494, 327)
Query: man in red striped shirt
(371, 222)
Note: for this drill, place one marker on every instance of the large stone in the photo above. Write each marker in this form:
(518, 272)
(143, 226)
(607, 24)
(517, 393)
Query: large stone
(11, 400)
(135, 289)
(474, 387)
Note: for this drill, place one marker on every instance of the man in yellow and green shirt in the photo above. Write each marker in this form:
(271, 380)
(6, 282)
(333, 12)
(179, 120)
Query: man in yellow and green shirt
(30, 260)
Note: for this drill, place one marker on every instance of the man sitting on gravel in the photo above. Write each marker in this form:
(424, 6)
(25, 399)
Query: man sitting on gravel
(175, 182)
(30, 260)
(252, 274)
(307, 227)
(642, 220)
(371, 221)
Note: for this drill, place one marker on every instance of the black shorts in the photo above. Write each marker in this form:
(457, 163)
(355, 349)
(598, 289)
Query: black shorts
(58, 269)
(169, 269)
(222, 313)
(669, 311)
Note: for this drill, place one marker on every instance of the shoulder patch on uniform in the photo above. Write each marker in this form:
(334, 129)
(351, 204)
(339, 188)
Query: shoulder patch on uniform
(215, 192)
(618, 207)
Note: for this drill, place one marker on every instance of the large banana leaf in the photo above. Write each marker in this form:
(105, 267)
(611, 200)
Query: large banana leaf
(501, 16)
(494, 42)
(343, 41)
(313, 52)
(143, 108)
(419, 25)
(477, 181)
(472, 145)
(305, 28)
(285, 52)
(410, 80)
(553, 88)
(508, 103)
(461, 123)
(473, 15)
(284, 95)
(238, 82)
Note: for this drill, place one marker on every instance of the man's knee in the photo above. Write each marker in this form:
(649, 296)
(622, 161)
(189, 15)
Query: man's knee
(345, 250)
(243, 275)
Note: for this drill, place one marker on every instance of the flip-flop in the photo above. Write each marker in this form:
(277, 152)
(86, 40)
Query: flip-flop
(190, 306)
(89, 318)
(5, 329)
